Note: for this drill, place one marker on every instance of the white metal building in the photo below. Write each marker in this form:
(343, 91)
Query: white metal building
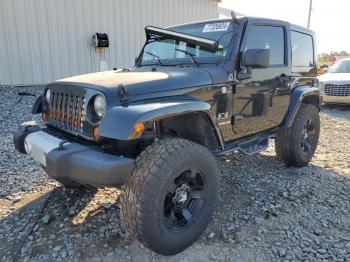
(44, 40)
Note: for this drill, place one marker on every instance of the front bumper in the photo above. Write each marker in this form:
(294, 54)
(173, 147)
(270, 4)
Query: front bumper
(64, 160)
(335, 99)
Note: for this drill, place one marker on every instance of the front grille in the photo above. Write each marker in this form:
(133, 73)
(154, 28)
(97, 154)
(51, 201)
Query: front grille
(66, 111)
(337, 90)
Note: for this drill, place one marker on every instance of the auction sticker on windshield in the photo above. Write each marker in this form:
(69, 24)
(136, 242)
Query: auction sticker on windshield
(215, 27)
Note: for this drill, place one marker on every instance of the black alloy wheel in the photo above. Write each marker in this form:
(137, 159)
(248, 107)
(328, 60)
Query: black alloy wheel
(297, 144)
(185, 200)
(169, 199)
(308, 137)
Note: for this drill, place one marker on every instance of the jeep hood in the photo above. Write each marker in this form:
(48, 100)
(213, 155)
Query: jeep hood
(143, 80)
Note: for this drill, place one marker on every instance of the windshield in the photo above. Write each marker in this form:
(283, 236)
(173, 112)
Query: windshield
(341, 67)
(165, 51)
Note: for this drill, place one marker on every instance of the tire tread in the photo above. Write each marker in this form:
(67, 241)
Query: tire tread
(140, 188)
(286, 146)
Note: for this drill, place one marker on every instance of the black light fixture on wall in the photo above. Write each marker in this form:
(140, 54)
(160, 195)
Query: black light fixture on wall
(101, 40)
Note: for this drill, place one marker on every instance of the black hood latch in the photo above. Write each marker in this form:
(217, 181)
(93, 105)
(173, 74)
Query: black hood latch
(123, 95)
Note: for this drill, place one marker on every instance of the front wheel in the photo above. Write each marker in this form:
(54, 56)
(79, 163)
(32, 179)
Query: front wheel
(170, 197)
(296, 145)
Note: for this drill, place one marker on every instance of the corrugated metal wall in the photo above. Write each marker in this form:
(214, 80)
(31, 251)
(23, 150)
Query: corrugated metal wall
(44, 40)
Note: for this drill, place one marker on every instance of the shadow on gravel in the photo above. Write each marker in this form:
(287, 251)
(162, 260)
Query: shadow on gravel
(85, 223)
(63, 222)
(16, 182)
(338, 111)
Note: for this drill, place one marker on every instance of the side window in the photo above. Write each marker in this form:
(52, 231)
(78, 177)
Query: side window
(268, 37)
(302, 50)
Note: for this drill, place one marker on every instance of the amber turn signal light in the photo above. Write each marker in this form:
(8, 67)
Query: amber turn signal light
(139, 127)
(95, 134)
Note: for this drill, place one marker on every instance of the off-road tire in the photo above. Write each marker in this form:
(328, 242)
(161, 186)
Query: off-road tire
(288, 140)
(142, 201)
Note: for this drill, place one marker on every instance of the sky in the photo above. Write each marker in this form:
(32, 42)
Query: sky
(330, 19)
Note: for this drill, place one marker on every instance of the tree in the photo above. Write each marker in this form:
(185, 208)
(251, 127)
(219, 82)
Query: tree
(327, 57)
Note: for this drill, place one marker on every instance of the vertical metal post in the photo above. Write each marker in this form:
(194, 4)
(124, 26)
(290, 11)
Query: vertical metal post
(309, 19)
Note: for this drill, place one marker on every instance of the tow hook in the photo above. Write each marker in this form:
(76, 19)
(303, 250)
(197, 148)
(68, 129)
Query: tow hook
(61, 144)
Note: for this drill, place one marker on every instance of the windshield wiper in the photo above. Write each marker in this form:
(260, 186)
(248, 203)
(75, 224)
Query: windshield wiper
(154, 56)
(189, 54)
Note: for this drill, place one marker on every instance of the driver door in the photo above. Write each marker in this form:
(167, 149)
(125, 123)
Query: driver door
(261, 98)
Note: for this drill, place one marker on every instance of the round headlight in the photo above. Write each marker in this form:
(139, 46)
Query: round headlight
(48, 95)
(100, 106)
(27, 146)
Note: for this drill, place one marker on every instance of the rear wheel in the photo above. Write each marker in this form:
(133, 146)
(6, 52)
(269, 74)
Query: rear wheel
(296, 145)
(171, 195)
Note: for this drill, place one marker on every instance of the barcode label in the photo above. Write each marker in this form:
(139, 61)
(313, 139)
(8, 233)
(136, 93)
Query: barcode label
(215, 27)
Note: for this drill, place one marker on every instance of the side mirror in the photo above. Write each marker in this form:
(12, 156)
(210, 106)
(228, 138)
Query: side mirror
(256, 58)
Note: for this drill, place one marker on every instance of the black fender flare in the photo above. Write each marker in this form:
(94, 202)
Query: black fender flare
(37, 107)
(301, 94)
(120, 120)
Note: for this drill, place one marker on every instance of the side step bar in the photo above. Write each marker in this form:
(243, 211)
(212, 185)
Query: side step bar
(248, 147)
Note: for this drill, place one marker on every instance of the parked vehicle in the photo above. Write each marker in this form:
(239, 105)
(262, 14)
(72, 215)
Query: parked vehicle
(197, 91)
(335, 84)
(337, 58)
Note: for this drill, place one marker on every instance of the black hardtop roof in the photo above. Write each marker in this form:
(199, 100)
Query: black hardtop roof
(301, 29)
(252, 18)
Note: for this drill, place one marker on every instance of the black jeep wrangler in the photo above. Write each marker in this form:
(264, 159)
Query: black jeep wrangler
(197, 91)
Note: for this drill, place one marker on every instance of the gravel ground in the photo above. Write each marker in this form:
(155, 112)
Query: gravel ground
(266, 212)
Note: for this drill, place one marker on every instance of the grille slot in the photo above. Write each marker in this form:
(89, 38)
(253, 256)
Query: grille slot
(66, 111)
(337, 90)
